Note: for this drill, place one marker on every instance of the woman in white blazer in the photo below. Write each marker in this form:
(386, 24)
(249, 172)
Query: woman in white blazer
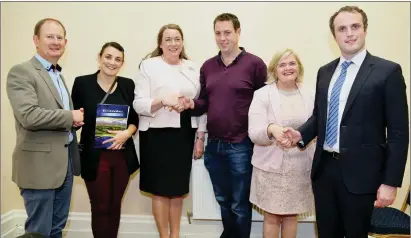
(281, 184)
(166, 132)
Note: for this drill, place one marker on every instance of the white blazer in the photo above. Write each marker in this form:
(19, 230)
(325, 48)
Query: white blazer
(156, 79)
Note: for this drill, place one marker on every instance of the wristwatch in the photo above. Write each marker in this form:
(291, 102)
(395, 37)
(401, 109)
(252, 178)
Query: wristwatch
(300, 144)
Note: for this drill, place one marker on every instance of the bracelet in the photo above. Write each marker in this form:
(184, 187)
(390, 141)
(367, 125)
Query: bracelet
(200, 138)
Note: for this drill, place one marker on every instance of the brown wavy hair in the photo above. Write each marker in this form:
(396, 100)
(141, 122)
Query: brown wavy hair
(158, 51)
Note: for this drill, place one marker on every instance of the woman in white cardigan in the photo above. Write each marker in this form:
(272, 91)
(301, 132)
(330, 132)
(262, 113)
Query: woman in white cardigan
(166, 132)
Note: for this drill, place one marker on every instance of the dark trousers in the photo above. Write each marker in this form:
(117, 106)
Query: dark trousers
(106, 193)
(47, 209)
(339, 212)
(230, 169)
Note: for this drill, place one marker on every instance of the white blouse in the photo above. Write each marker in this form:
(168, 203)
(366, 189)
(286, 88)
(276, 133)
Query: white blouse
(156, 79)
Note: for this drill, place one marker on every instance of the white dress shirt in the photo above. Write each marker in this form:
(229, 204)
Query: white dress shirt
(345, 91)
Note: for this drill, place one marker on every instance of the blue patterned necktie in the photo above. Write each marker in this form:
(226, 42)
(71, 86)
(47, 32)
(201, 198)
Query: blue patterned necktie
(332, 120)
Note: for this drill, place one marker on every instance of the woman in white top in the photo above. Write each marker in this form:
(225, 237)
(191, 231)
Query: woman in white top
(167, 133)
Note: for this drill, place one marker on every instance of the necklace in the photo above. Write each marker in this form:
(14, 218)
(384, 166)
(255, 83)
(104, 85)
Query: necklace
(288, 93)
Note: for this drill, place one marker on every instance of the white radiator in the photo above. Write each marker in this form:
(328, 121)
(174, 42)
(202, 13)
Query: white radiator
(205, 205)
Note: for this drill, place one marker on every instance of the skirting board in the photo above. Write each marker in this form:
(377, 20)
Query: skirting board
(140, 226)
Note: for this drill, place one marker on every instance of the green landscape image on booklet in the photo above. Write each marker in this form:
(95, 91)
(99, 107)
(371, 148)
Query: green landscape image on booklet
(109, 117)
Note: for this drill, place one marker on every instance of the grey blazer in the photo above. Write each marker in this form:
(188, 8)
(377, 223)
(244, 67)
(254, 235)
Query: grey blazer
(40, 157)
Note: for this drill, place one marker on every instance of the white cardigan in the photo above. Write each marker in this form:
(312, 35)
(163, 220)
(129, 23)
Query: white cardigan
(156, 79)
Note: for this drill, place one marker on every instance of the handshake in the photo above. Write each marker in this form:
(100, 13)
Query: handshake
(177, 103)
(284, 136)
(78, 117)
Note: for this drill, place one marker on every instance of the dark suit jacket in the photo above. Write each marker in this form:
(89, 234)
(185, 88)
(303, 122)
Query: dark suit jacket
(374, 133)
(84, 95)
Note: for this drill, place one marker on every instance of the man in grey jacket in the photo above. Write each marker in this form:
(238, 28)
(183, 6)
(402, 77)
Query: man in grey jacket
(46, 155)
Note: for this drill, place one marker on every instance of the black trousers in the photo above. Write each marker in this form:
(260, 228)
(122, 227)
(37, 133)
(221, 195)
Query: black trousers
(339, 212)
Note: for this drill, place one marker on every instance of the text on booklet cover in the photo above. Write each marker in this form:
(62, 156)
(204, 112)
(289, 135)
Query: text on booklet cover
(110, 117)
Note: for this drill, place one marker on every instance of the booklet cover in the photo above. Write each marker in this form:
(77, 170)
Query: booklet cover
(109, 117)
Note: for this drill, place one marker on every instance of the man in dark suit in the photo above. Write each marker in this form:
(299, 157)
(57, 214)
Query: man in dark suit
(360, 117)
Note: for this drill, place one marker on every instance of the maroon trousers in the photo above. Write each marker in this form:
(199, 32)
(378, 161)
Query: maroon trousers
(106, 193)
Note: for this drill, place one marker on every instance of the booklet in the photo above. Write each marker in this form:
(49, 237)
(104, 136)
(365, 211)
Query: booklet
(109, 117)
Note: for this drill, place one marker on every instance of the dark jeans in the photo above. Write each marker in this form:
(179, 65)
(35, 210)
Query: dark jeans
(48, 209)
(106, 193)
(230, 169)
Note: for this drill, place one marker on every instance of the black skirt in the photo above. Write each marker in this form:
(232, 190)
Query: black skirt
(166, 157)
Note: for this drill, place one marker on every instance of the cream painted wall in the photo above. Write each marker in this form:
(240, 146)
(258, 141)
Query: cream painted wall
(266, 27)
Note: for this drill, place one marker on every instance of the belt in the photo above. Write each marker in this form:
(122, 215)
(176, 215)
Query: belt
(333, 154)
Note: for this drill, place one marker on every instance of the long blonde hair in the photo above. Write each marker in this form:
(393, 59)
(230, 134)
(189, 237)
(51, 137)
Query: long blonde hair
(278, 56)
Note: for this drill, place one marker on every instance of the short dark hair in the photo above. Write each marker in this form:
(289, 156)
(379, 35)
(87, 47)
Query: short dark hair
(228, 17)
(351, 9)
(114, 45)
(39, 24)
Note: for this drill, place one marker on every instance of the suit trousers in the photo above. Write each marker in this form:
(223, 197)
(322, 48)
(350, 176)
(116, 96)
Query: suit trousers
(47, 209)
(339, 212)
(106, 193)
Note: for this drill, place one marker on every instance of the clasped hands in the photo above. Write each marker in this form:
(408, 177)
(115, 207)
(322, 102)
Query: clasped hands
(288, 137)
(78, 117)
(284, 136)
(177, 103)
